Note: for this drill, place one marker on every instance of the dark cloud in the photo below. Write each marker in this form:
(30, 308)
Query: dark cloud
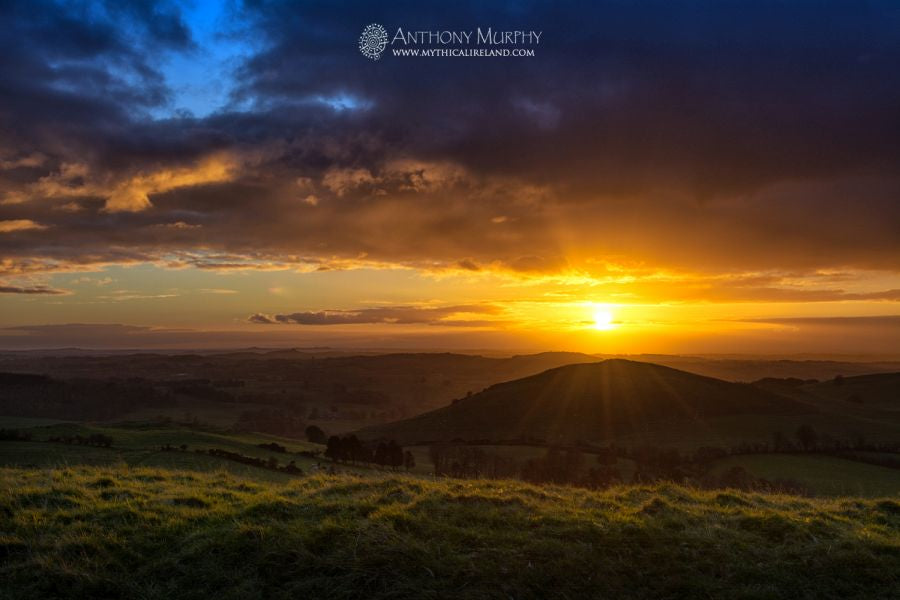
(713, 135)
(78, 328)
(38, 289)
(868, 322)
(400, 315)
(125, 337)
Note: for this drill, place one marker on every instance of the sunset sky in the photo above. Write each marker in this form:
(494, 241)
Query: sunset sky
(671, 176)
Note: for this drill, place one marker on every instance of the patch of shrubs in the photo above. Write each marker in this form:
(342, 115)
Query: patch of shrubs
(95, 439)
(271, 463)
(14, 435)
(273, 447)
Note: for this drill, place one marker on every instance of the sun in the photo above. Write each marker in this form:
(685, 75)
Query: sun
(603, 319)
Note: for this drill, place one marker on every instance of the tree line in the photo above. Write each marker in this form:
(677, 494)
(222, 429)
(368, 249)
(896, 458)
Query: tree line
(270, 464)
(14, 435)
(350, 449)
(95, 439)
(573, 466)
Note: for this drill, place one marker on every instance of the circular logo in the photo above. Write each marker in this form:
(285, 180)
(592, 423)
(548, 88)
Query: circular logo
(373, 41)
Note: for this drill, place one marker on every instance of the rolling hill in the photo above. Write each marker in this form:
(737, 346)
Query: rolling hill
(594, 401)
(877, 390)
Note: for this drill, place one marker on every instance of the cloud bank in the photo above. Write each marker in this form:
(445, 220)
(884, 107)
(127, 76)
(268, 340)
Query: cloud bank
(720, 137)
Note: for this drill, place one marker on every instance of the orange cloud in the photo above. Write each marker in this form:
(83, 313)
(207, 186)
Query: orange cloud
(19, 225)
(134, 194)
(131, 194)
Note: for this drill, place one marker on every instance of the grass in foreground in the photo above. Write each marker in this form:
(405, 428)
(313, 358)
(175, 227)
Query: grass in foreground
(101, 532)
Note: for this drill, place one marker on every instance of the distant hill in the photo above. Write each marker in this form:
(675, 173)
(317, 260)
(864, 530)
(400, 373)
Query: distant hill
(410, 383)
(880, 390)
(752, 369)
(599, 400)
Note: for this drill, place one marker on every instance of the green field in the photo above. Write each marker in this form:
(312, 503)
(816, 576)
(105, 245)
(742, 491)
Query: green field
(122, 532)
(42, 455)
(825, 475)
(152, 435)
(25, 422)
(140, 445)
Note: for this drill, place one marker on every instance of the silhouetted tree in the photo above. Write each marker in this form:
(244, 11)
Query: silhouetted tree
(780, 442)
(607, 456)
(381, 454)
(736, 477)
(14, 435)
(708, 454)
(601, 476)
(438, 454)
(315, 435)
(394, 455)
(574, 462)
(807, 436)
(409, 461)
(335, 449)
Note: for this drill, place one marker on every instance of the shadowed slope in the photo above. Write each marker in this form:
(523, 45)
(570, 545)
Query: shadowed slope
(587, 402)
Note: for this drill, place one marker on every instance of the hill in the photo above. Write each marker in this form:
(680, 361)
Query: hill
(878, 390)
(751, 369)
(338, 392)
(594, 401)
(93, 532)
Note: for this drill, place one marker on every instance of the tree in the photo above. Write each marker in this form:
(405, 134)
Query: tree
(574, 461)
(353, 449)
(316, 435)
(335, 448)
(606, 456)
(602, 476)
(708, 454)
(409, 461)
(736, 477)
(780, 442)
(807, 436)
(438, 454)
(381, 454)
(394, 455)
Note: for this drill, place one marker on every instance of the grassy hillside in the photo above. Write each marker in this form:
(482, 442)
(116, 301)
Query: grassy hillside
(142, 533)
(603, 400)
(140, 445)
